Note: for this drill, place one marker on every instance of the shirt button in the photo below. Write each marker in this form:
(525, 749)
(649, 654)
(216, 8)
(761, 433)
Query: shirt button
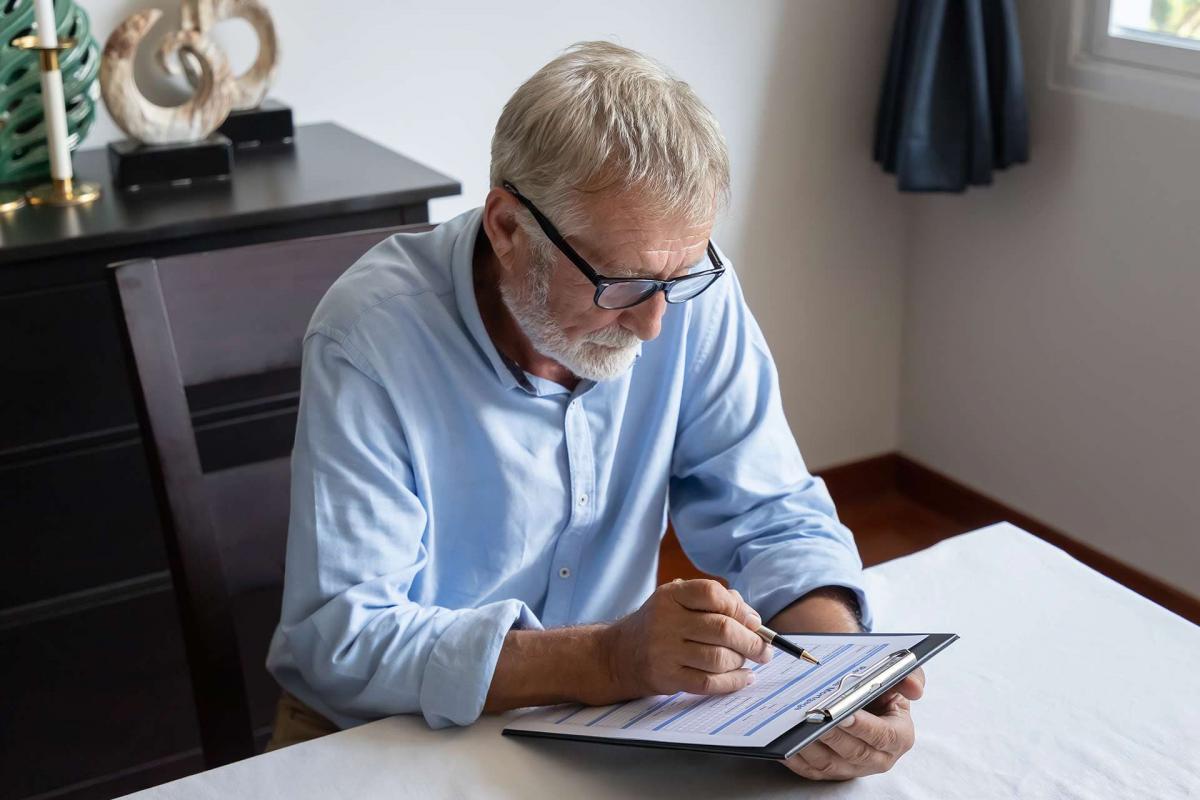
(564, 572)
(583, 499)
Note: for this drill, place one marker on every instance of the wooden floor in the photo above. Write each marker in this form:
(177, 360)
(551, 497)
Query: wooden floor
(885, 525)
(893, 525)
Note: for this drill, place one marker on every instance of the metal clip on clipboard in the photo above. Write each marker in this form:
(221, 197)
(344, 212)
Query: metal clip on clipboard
(883, 674)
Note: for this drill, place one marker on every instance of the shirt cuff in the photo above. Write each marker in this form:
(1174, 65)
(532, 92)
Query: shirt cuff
(457, 677)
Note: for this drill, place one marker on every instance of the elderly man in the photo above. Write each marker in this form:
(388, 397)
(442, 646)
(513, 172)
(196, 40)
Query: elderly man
(497, 417)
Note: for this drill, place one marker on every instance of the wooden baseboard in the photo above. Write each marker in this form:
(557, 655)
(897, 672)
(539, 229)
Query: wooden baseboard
(863, 479)
(974, 510)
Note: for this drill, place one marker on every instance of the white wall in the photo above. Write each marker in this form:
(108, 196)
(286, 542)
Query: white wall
(1052, 327)
(814, 229)
(1051, 322)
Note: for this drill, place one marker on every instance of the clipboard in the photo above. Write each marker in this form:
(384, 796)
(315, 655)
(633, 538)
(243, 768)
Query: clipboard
(853, 691)
(860, 693)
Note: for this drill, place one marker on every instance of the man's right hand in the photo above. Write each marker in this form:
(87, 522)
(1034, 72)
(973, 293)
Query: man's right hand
(689, 636)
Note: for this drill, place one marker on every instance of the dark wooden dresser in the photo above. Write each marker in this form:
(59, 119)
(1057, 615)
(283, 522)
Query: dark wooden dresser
(95, 698)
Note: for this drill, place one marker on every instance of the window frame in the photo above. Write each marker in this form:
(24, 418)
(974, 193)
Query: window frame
(1141, 48)
(1143, 70)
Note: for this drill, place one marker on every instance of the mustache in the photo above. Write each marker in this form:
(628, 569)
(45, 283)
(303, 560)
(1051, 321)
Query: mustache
(615, 337)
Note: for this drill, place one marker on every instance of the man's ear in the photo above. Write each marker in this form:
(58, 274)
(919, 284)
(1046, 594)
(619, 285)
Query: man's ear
(503, 231)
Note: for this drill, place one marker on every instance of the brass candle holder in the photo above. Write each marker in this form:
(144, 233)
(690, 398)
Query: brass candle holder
(60, 191)
(10, 200)
(64, 192)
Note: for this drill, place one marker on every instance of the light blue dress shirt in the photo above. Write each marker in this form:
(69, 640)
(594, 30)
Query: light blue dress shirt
(441, 496)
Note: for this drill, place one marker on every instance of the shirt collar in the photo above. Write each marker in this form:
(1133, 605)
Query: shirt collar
(463, 274)
(509, 373)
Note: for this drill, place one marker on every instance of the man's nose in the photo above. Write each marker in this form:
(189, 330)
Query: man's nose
(645, 319)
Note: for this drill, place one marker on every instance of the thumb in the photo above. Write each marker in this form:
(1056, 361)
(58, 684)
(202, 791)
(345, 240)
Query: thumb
(913, 685)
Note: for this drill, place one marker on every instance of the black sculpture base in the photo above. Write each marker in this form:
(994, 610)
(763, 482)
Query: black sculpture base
(136, 166)
(269, 124)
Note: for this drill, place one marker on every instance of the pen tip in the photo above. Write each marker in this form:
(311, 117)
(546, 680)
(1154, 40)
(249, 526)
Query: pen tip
(809, 657)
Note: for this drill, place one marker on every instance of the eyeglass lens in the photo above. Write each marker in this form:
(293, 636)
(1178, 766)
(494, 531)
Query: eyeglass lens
(626, 293)
(686, 288)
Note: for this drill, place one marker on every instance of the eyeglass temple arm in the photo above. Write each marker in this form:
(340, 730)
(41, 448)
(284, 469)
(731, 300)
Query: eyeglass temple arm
(556, 238)
(713, 257)
(553, 235)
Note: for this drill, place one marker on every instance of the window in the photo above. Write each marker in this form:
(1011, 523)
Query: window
(1155, 34)
(1141, 52)
(1170, 22)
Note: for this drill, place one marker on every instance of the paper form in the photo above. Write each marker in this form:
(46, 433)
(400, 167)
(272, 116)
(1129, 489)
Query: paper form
(784, 690)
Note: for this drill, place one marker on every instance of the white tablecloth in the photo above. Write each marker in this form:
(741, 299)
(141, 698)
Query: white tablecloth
(1064, 685)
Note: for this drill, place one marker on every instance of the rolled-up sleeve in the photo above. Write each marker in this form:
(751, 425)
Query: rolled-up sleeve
(741, 498)
(355, 646)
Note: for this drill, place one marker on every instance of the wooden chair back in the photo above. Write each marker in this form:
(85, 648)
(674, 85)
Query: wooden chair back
(214, 344)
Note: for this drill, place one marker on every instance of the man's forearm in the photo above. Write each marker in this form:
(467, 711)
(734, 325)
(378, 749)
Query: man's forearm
(565, 665)
(831, 609)
(562, 665)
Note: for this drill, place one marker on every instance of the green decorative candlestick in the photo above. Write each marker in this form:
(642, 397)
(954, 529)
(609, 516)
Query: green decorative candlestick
(23, 152)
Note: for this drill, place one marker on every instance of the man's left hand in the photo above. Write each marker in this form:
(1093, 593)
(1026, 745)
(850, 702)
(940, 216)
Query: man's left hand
(866, 743)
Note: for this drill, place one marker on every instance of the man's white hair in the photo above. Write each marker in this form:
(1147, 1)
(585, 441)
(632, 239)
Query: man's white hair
(600, 118)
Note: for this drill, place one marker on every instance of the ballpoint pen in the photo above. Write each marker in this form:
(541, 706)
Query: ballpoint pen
(774, 639)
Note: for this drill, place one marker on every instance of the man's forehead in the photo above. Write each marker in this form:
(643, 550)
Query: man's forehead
(629, 236)
(646, 254)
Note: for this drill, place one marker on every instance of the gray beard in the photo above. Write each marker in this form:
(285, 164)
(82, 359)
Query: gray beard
(599, 356)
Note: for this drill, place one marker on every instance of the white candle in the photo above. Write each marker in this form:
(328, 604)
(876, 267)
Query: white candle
(54, 103)
(43, 13)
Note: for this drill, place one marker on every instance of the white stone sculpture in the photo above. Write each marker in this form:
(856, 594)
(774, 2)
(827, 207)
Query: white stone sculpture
(189, 51)
(200, 15)
(148, 122)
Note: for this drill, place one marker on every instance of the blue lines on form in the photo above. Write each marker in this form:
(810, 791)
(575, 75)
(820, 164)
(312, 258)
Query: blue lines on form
(575, 710)
(783, 688)
(687, 710)
(649, 711)
(870, 654)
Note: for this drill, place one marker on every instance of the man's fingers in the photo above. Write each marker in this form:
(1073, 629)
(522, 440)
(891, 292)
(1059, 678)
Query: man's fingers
(891, 733)
(745, 614)
(890, 704)
(698, 681)
(818, 755)
(862, 744)
(708, 595)
(913, 685)
(710, 658)
(848, 747)
(819, 762)
(725, 631)
(704, 595)
(713, 598)
(866, 758)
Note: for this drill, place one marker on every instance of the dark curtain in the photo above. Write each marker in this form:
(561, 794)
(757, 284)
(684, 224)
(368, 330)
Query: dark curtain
(953, 102)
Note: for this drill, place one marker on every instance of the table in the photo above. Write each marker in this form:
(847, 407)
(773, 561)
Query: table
(84, 572)
(1065, 684)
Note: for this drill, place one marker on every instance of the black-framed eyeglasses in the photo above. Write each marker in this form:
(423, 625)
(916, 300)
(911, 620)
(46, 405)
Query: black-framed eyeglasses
(617, 293)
